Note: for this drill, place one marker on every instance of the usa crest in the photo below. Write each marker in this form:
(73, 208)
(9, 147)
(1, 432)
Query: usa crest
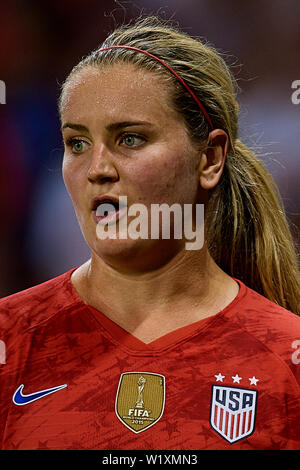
(140, 400)
(233, 412)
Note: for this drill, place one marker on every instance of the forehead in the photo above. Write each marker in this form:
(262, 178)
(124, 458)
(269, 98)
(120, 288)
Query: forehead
(115, 91)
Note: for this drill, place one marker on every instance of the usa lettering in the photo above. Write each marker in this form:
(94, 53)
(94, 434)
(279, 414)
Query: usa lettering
(234, 399)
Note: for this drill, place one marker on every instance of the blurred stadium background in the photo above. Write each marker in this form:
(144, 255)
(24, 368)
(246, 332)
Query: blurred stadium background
(39, 44)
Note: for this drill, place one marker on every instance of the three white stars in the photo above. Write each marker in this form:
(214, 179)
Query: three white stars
(236, 379)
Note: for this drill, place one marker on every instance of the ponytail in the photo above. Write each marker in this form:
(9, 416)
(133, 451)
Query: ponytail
(247, 231)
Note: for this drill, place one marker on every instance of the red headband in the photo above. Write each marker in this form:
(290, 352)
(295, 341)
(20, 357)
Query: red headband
(171, 70)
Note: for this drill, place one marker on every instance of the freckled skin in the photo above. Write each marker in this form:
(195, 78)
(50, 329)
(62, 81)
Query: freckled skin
(164, 169)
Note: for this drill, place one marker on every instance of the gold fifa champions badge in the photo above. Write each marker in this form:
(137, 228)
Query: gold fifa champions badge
(140, 400)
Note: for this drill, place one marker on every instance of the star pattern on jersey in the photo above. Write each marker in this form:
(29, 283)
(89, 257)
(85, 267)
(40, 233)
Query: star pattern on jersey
(236, 378)
(171, 428)
(220, 377)
(42, 445)
(72, 341)
(206, 432)
(270, 336)
(253, 380)
(122, 363)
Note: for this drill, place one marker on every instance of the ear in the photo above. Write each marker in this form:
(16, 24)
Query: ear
(213, 159)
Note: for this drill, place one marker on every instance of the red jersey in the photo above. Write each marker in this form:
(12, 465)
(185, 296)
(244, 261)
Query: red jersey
(74, 379)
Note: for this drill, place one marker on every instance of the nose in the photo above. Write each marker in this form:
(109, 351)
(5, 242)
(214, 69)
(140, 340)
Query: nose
(102, 167)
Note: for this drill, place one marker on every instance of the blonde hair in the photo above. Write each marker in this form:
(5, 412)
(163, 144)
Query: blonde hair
(247, 231)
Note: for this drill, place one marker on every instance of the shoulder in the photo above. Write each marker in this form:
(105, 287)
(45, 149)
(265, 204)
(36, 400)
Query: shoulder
(275, 329)
(260, 315)
(36, 304)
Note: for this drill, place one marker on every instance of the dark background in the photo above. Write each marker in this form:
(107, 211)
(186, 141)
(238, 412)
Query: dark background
(39, 44)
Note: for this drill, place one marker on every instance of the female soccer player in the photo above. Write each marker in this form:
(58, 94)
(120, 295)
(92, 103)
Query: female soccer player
(153, 344)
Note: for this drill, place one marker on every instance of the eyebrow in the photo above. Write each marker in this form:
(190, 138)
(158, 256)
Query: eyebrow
(111, 127)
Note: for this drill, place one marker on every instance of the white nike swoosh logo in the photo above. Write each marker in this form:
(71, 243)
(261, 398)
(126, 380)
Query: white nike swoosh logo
(21, 399)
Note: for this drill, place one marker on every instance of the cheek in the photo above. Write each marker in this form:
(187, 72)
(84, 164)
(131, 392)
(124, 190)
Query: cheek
(164, 180)
(72, 179)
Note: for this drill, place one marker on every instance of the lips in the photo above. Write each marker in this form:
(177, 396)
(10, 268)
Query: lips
(108, 209)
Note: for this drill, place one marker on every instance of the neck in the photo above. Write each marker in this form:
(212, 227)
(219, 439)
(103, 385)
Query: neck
(187, 288)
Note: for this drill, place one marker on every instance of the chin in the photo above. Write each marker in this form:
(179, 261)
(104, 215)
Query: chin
(118, 251)
(135, 256)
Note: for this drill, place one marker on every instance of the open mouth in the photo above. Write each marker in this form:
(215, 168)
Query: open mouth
(108, 210)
